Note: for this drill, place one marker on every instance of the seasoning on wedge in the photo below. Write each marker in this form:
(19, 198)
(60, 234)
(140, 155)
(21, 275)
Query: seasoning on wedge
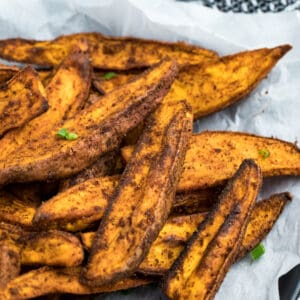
(47, 280)
(21, 99)
(142, 201)
(113, 53)
(205, 260)
(99, 127)
(213, 157)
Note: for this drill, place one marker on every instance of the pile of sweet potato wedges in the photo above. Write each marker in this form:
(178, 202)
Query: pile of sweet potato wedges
(103, 185)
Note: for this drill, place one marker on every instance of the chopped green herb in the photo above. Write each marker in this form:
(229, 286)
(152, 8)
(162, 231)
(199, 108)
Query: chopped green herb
(109, 75)
(264, 153)
(257, 252)
(65, 134)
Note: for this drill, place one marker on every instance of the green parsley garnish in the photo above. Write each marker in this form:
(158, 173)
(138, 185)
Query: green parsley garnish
(264, 153)
(65, 134)
(257, 252)
(109, 75)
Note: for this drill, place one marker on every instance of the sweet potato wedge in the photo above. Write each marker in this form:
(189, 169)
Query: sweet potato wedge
(103, 166)
(7, 72)
(119, 53)
(203, 264)
(177, 231)
(77, 207)
(66, 93)
(10, 266)
(47, 280)
(214, 156)
(141, 204)
(262, 220)
(51, 248)
(215, 85)
(21, 99)
(99, 128)
(16, 211)
(80, 206)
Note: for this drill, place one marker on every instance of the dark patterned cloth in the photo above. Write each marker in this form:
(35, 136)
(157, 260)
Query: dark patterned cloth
(251, 6)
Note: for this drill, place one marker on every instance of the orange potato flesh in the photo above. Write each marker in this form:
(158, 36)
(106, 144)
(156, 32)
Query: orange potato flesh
(213, 157)
(21, 99)
(48, 280)
(215, 85)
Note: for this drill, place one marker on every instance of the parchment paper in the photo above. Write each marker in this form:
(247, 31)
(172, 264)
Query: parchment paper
(273, 109)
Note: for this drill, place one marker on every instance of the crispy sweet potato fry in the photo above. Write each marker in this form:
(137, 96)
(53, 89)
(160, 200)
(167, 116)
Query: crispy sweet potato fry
(7, 72)
(51, 248)
(66, 92)
(80, 206)
(262, 219)
(177, 230)
(16, 211)
(214, 155)
(48, 280)
(119, 53)
(21, 99)
(142, 201)
(215, 85)
(203, 264)
(99, 129)
(10, 266)
(103, 166)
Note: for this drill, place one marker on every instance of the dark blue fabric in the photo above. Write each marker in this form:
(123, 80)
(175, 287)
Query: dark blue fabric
(250, 6)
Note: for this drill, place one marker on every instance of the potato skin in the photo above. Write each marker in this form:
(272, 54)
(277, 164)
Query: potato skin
(112, 53)
(100, 128)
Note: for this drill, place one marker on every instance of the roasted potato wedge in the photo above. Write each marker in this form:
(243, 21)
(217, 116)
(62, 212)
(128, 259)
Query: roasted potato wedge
(99, 128)
(214, 156)
(177, 231)
(51, 248)
(48, 280)
(66, 93)
(80, 206)
(103, 166)
(10, 265)
(215, 85)
(21, 99)
(77, 207)
(119, 53)
(262, 220)
(141, 204)
(7, 72)
(205, 260)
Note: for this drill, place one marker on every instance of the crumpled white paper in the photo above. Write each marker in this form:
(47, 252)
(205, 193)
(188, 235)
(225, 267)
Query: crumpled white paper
(275, 113)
